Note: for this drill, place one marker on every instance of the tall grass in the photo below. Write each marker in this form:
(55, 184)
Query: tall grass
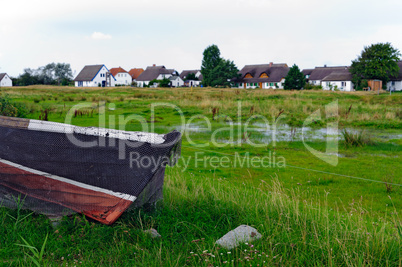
(195, 212)
(356, 139)
(369, 109)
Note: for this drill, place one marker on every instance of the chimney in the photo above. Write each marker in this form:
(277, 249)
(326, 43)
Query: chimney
(270, 64)
(153, 65)
(325, 65)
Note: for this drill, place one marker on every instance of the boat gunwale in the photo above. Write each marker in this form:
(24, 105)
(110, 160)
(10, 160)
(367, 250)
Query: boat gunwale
(57, 127)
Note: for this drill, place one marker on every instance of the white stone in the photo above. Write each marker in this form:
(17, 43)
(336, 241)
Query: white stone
(153, 233)
(241, 234)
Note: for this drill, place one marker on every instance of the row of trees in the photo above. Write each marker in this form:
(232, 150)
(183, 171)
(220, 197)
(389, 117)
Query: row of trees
(377, 61)
(51, 74)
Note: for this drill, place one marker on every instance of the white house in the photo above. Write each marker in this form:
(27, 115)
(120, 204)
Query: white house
(341, 80)
(95, 76)
(154, 72)
(122, 76)
(395, 83)
(5, 80)
(265, 76)
(196, 82)
(176, 81)
(315, 76)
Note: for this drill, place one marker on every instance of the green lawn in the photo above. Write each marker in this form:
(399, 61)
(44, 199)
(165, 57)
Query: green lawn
(309, 212)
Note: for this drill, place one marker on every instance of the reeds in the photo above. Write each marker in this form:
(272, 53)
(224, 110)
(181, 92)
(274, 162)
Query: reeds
(356, 139)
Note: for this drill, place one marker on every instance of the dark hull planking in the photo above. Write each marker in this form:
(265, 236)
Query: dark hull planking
(46, 166)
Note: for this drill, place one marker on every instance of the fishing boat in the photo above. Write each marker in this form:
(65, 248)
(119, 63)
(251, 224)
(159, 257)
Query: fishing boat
(59, 169)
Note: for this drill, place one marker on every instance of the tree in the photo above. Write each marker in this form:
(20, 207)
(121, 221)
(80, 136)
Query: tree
(191, 76)
(295, 79)
(377, 61)
(29, 77)
(224, 73)
(52, 73)
(215, 70)
(63, 73)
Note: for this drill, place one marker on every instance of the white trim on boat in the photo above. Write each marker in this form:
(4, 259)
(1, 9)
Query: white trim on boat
(48, 126)
(69, 181)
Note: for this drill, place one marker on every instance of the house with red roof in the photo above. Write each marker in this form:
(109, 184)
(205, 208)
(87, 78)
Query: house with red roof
(134, 73)
(122, 76)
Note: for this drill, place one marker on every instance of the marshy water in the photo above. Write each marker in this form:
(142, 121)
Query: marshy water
(265, 133)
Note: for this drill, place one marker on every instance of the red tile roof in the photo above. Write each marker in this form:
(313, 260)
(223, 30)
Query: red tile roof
(114, 71)
(135, 73)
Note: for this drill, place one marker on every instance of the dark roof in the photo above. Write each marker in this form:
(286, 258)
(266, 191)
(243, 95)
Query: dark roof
(339, 75)
(167, 71)
(184, 73)
(2, 76)
(174, 78)
(135, 72)
(88, 73)
(307, 71)
(153, 72)
(398, 78)
(320, 73)
(114, 71)
(275, 72)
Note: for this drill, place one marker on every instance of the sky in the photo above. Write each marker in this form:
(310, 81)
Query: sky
(139, 33)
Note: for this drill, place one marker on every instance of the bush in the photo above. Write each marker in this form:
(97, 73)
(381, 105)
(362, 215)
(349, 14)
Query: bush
(10, 109)
(310, 86)
(160, 83)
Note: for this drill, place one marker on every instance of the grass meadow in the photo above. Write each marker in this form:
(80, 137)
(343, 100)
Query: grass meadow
(308, 211)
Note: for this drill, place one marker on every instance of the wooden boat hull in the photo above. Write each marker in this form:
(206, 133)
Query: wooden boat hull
(56, 175)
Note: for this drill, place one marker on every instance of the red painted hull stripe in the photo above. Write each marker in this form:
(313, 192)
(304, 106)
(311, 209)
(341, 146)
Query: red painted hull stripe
(103, 207)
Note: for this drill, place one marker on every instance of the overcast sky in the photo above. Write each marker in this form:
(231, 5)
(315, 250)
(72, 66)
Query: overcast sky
(139, 33)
